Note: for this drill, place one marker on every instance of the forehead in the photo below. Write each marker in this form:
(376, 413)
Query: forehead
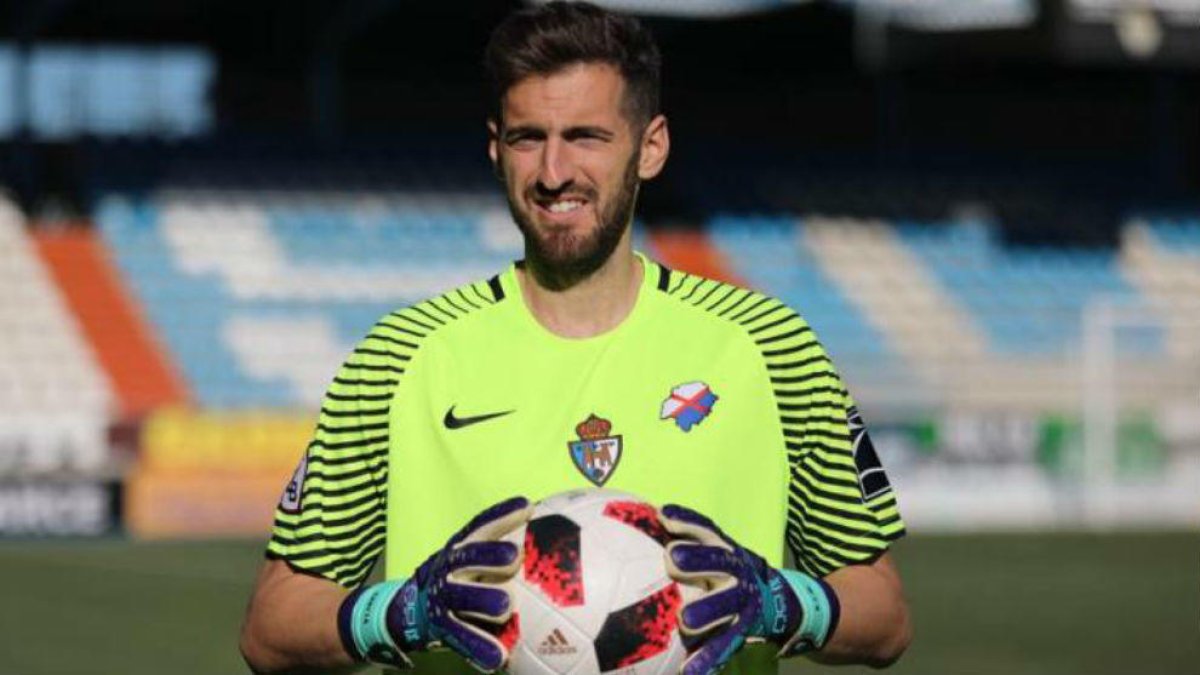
(581, 94)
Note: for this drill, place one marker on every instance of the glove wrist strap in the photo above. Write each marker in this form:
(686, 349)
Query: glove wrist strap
(363, 625)
(819, 618)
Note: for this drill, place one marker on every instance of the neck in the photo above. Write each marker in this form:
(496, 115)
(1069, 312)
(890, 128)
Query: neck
(591, 306)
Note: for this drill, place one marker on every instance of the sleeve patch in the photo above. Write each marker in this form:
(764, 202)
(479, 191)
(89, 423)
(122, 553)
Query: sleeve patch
(871, 477)
(290, 500)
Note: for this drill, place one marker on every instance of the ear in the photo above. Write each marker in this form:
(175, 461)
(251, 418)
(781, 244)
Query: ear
(494, 142)
(493, 128)
(656, 145)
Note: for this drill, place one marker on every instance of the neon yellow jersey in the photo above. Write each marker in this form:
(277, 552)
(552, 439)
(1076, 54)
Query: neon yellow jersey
(707, 395)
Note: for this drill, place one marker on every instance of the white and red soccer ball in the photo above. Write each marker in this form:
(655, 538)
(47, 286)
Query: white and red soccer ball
(593, 595)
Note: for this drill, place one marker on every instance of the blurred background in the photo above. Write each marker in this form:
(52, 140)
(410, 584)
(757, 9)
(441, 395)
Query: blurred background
(989, 210)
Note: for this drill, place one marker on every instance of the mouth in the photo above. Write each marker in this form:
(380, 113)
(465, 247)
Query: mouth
(561, 207)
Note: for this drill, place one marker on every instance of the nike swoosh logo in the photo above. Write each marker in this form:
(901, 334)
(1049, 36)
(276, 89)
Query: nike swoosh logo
(453, 422)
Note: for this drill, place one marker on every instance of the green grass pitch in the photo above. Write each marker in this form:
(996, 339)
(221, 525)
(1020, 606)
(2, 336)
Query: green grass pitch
(1052, 604)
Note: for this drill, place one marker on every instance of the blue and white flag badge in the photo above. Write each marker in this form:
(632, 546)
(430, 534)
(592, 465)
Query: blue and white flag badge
(688, 404)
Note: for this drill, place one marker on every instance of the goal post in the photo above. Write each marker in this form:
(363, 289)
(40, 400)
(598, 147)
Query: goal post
(1101, 382)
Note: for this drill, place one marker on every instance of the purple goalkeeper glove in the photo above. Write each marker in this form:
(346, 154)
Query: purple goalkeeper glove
(455, 598)
(744, 598)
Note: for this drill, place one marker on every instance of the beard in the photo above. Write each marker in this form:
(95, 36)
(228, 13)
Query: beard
(559, 258)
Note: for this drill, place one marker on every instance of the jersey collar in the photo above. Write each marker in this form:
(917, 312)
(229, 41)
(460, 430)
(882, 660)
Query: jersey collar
(512, 289)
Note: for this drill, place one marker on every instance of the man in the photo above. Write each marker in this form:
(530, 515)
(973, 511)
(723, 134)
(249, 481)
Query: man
(584, 364)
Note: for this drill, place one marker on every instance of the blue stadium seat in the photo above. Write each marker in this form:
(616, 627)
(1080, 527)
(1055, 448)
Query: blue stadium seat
(766, 252)
(199, 313)
(1181, 235)
(1028, 301)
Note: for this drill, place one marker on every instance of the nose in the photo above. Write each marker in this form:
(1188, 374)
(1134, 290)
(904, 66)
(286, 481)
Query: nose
(556, 171)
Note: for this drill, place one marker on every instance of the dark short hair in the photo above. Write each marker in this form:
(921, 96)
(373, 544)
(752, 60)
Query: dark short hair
(547, 39)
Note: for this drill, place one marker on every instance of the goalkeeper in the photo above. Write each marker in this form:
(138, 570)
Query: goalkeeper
(585, 363)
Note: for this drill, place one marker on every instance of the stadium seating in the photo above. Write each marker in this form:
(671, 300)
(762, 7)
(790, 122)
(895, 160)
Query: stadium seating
(769, 253)
(1162, 258)
(1182, 235)
(1028, 301)
(258, 294)
(54, 400)
(956, 342)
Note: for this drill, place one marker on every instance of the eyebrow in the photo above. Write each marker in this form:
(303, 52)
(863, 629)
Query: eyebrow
(570, 133)
(598, 132)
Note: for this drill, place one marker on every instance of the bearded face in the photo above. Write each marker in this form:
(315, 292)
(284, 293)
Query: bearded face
(566, 253)
(571, 161)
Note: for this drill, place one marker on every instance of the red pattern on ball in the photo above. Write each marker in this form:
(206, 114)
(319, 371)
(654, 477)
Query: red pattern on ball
(641, 516)
(656, 620)
(552, 560)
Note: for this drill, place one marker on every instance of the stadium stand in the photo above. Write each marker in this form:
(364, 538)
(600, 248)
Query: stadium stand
(967, 350)
(769, 254)
(1162, 258)
(1028, 302)
(55, 400)
(772, 253)
(258, 293)
(124, 345)
(882, 276)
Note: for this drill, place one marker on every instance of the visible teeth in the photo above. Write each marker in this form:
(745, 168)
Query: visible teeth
(563, 207)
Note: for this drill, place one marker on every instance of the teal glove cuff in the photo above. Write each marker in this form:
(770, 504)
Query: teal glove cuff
(368, 624)
(819, 617)
(778, 609)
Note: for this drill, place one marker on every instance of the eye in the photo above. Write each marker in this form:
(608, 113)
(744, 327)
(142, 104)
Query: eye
(587, 138)
(522, 141)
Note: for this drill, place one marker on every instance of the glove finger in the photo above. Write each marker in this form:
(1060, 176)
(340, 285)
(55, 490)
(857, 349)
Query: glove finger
(683, 514)
(491, 558)
(482, 650)
(684, 522)
(710, 610)
(712, 656)
(506, 633)
(478, 601)
(496, 521)
(691, 560)
(693, 641)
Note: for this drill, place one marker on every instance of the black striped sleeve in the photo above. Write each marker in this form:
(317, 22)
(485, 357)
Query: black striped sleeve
(331, 520)
(841, 507)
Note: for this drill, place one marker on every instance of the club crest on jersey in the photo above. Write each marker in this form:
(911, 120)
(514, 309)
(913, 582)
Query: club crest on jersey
(596, 453)
(688, 404)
